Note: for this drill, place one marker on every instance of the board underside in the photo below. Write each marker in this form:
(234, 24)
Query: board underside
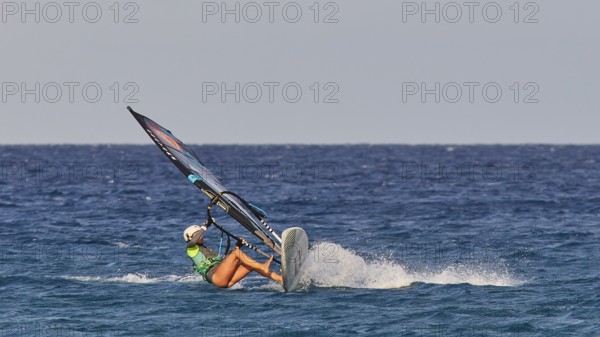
(294, 252)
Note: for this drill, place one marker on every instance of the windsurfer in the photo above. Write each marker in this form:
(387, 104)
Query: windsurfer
(222, 272)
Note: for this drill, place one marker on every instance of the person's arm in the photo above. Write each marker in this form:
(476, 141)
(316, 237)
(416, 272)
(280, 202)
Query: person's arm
(198, 237)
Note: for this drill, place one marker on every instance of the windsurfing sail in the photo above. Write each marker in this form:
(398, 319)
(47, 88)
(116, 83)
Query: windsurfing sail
(190, 165)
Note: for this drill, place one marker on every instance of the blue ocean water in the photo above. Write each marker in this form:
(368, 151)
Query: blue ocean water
(405, 241)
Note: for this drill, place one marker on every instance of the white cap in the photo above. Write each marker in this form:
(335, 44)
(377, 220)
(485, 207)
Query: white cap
(193, 233)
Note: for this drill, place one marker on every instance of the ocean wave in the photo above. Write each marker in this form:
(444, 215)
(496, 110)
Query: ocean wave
(345, 268)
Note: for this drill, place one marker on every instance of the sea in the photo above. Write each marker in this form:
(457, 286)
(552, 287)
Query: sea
(445, 240)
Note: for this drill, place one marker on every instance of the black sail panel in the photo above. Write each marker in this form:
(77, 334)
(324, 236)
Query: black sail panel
(190, 165)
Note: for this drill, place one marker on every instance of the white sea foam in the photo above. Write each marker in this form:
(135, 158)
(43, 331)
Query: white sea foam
(345, 268)
(121, 244)
(137, 278)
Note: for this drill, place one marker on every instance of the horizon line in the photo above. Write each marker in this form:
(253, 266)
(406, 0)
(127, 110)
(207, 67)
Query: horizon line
(309, 144)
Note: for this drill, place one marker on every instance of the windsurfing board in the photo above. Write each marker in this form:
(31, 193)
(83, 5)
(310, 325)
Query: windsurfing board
(294, 251)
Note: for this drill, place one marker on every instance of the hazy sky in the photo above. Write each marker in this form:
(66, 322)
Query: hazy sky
(366, 71)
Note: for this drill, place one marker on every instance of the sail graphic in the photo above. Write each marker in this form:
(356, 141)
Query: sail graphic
(192, 167)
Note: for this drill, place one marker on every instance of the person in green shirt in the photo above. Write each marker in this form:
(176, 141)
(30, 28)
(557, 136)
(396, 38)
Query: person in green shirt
(226, 271)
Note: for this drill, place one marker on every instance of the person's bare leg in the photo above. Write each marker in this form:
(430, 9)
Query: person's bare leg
(225, 271)
(249, 262)
(240, 273)
(227, 275)
(261, 268)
